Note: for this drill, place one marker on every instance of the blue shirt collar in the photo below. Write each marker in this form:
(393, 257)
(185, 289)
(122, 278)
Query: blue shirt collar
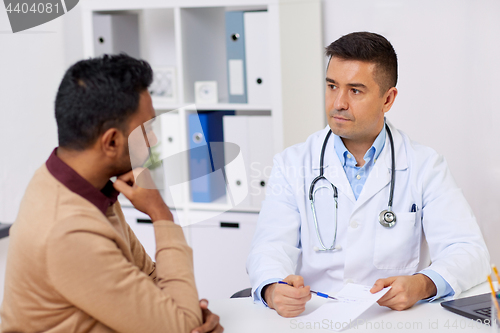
(373, 152)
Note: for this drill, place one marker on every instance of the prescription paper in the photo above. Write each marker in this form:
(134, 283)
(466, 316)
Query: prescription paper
(353, 300)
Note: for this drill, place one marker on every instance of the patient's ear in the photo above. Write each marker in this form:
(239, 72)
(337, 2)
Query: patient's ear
(111, 142)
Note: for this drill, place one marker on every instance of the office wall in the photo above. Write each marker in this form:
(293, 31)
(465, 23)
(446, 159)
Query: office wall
(31, 66)
(448, 85)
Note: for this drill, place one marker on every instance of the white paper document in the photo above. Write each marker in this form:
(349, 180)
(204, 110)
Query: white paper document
(353, 300)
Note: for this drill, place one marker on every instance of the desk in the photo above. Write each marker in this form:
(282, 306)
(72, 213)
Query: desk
(241, 315)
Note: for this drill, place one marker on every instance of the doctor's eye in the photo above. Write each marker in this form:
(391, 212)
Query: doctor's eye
(356, 91)
(331, 86)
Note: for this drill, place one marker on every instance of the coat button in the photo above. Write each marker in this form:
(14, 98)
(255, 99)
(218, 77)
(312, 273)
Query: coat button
(354, 224)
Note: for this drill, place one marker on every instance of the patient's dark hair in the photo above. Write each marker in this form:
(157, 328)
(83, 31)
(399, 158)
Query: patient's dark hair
(98, 94)
(369, 47)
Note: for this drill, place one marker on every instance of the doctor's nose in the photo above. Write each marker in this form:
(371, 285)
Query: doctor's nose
(340, 103)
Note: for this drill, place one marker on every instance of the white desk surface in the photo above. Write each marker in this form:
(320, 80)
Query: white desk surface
(241, 315)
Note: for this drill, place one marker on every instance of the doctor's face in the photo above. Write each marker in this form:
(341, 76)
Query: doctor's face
(354, 104)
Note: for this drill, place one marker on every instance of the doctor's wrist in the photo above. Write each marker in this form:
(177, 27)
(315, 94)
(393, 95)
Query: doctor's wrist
(428, 287)
(267, 294)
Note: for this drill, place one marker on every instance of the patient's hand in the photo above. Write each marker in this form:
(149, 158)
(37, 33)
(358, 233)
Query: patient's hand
(147, 199)
(210, 320)
(405, 290)
(288, 300)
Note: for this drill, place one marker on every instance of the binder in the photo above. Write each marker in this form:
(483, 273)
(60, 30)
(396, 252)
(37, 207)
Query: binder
(171, 157)
(236, 132)
(103, 35)
(254, 136)
(257, 57)
(115, 33)
(206, 156)
(261, 156)
(235, 51)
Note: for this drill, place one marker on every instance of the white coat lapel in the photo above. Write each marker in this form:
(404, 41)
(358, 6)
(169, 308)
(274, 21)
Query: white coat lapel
(380, 175)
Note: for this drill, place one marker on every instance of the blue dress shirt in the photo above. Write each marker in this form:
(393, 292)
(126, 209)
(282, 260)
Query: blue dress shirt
(357, 175)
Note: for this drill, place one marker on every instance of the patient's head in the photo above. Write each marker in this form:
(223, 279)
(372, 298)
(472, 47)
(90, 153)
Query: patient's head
(100, 101)
(96, 95)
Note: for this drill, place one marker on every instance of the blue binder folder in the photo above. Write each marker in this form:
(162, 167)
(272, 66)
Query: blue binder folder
(206, 156)
(236, 63)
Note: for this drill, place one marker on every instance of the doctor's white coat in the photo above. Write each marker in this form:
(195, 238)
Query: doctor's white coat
(443, 233)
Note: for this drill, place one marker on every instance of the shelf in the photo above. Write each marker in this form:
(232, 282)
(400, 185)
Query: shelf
(190, 36)
(159, 105)
(233, 106)
(209, 206)
(112, 5)
(125, 203)
(221, 207)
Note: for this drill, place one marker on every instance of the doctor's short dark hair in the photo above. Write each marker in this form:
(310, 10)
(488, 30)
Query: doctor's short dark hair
(369, 47)
(98, 94)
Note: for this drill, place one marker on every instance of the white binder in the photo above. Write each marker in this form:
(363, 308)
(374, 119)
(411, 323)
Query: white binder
(115, 33)
(261, 156)
(254, 136)
(257, 55)
(171, 146)
(103, 34)
(236, 131)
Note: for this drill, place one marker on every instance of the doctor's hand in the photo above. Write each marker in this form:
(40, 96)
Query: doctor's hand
(405, 290)
(288, 300)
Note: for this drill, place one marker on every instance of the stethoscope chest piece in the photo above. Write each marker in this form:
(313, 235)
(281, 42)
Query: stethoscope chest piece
(387, 218)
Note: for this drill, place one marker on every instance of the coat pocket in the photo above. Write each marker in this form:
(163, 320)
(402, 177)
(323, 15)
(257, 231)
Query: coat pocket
(398, 247)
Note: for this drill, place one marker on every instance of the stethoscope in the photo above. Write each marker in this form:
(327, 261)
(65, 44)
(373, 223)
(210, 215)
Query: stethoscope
(387, 217)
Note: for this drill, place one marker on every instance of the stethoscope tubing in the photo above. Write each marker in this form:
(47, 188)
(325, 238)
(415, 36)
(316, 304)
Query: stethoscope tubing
(393, 168)
(383, 214)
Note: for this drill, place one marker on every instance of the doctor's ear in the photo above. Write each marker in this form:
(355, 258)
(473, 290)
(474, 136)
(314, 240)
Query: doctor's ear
(389, 98)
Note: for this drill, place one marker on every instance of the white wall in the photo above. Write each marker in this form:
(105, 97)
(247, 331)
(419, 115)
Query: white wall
(449, 85)
(301, 70)
(31, 66)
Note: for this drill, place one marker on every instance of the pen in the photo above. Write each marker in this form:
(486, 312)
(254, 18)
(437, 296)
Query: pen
(413, 208)
(314, 292)
(494, 294)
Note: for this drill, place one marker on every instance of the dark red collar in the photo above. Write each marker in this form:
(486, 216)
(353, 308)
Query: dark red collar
(72, 180)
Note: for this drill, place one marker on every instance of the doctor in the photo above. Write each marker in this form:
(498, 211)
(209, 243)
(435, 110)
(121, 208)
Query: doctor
(421, 237)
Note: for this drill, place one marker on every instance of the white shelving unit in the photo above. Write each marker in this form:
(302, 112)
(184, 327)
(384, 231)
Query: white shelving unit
(190, 36)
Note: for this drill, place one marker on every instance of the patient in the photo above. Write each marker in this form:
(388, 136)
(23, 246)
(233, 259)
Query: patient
(74, 265)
